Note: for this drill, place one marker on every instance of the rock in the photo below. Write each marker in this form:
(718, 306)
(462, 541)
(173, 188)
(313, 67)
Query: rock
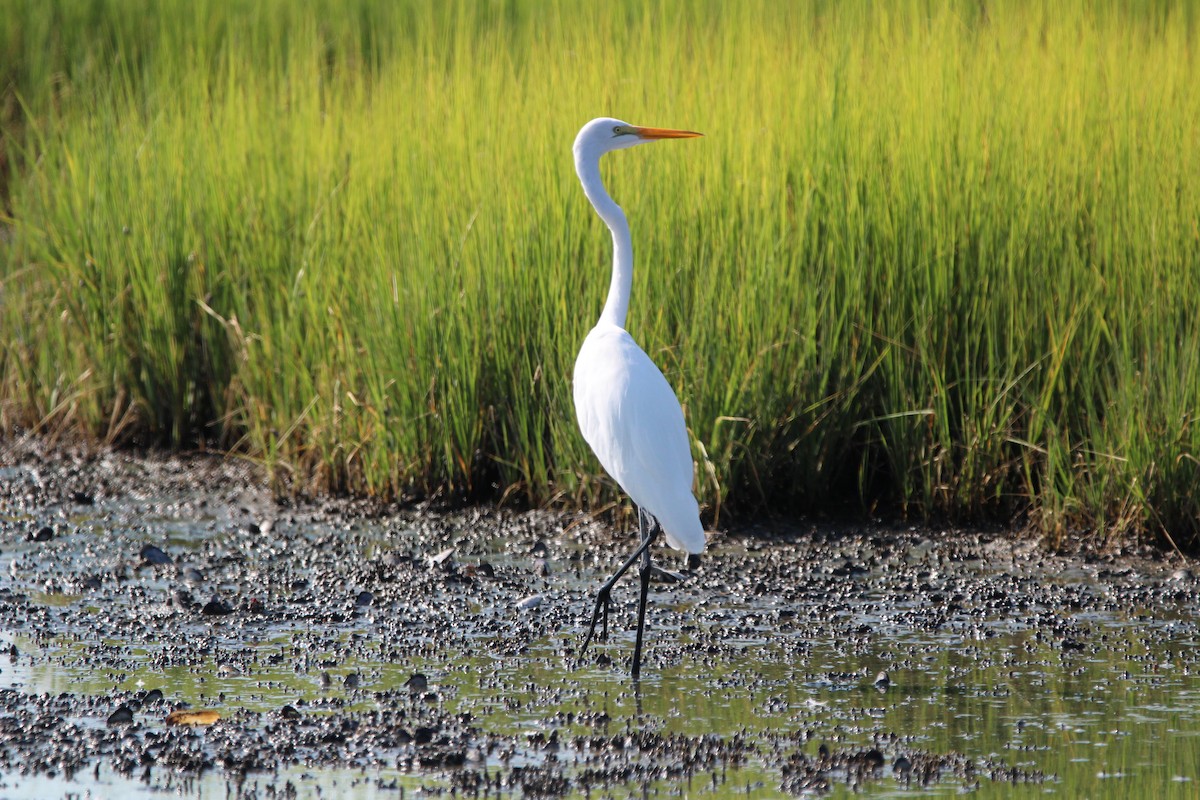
(154, 556)
(122, 716)
(364, 599)
(44, 534)
(191, 575)
(661, 575)
(216, 607)
(351, 681)
(289, 712)
(882, 681)
(530, 602)
(417, 682)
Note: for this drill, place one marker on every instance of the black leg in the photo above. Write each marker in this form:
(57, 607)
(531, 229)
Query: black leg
(647, 528)
(644, 574)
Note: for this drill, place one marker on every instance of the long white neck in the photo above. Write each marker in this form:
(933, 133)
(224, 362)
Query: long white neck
(587, 166)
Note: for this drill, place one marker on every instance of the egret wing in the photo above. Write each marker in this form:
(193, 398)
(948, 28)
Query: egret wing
(631, 418)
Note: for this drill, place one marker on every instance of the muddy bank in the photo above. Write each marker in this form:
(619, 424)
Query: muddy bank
(436, 650)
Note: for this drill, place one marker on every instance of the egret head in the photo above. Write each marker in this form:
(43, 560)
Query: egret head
(604, 134)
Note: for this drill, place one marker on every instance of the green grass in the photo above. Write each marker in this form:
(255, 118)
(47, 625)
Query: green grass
(941, 258)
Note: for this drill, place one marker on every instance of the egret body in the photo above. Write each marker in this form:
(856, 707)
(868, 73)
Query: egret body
(627, 411)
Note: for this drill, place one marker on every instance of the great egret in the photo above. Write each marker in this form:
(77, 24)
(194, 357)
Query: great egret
(627, 411)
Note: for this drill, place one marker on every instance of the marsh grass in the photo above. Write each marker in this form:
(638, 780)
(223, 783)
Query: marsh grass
(939, 258)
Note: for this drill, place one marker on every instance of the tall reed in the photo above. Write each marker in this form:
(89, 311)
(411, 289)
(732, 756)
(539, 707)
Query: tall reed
(941, 258)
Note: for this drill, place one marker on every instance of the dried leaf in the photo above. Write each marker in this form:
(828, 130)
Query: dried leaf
(192, 717)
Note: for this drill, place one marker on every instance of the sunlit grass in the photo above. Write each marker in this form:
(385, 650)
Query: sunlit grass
(941, 258)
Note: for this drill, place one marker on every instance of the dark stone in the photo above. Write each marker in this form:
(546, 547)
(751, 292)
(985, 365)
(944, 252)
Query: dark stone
(122, 716)
(216, 607)
(154, 556)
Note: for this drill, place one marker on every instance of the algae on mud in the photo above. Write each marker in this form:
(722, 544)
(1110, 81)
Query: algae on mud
(1012, 671)
(936, 257)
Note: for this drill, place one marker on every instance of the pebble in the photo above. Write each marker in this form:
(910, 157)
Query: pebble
(443, 560)
(191, 575)
(216, 607)
(661, 575)
(154, 556)
(122, 716)
(530, 602)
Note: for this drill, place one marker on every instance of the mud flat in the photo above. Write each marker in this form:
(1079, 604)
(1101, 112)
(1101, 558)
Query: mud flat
(350, 649)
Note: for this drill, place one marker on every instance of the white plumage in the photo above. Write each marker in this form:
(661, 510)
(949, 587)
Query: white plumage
(630, 417)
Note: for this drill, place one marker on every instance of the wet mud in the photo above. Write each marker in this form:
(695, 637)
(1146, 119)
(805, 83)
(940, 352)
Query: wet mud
(435, 651)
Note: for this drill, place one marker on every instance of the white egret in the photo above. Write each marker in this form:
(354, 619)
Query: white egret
(627, 411)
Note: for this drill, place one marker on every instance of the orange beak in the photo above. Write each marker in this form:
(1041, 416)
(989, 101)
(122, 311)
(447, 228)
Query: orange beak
(664, 133)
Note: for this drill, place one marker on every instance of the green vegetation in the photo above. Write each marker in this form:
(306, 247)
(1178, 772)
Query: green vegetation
(943, 258)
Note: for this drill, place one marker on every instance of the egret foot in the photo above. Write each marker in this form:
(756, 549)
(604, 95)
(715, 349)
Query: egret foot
(648, 527)
(603, 601)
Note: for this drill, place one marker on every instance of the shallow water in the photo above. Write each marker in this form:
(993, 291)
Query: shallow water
(1072, 689)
